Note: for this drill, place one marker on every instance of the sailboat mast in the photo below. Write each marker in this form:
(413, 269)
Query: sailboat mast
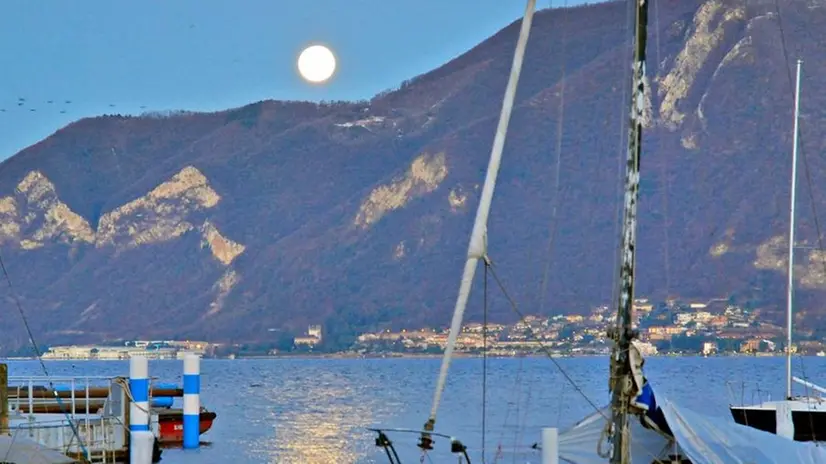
(790, 289)
(621, 383)
(477, 249)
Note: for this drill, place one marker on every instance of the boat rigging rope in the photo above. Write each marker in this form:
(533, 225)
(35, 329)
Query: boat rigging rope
(621, 147)
(542, 345)
(517, 385)
(484, 357)
(558, 168)
(17, 303)
(665, 180)
(560, 126)
(125, 385)
(521, 426)
(517, 403)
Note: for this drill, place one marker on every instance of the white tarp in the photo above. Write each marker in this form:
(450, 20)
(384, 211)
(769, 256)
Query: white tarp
(701, 439)
(24, 451)
(709, 440)
(578, 445)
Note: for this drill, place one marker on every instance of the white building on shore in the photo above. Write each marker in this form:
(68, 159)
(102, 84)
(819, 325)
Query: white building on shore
(150, 350)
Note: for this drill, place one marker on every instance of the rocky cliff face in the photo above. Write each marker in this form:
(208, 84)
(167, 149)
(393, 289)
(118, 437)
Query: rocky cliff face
(356, 215)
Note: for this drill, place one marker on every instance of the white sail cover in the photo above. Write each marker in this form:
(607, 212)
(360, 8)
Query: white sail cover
(717, 440)
(701, 439)
(579, 444)
(21, 450)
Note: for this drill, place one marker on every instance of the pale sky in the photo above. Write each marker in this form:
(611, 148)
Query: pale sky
(108, 56)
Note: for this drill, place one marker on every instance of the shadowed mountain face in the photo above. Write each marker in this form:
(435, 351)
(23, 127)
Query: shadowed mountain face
(276, 215)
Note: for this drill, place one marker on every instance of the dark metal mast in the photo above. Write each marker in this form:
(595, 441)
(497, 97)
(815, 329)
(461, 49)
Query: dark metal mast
(621, 383)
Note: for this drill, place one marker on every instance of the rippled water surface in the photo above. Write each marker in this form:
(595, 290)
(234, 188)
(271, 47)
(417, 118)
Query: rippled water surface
(311, 411)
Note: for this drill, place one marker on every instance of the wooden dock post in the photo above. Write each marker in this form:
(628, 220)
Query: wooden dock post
(4, 399)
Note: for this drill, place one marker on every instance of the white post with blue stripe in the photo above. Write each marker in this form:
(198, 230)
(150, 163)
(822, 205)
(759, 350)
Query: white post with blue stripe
(140, 448)
(192, 401)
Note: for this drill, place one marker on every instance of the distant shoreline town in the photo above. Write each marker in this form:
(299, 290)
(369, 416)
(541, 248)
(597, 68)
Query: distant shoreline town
(671, 327)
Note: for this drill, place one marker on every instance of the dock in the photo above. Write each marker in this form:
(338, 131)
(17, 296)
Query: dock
(87, 423)
(87, 418)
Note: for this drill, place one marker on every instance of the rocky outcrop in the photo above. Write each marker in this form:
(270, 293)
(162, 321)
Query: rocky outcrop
(35, 216)
(160, 215)
(223, 249)
(424, 176)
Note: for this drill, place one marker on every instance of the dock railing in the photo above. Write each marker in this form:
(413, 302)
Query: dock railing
(81, 417)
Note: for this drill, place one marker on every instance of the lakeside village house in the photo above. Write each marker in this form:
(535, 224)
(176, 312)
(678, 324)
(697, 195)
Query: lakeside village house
(667, 327)
(312, 338)
(671, 326)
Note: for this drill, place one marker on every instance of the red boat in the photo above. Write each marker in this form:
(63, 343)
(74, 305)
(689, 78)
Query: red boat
(171, 424)
(91, 400)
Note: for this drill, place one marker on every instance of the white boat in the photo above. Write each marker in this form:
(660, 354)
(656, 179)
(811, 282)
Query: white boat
(808, 411)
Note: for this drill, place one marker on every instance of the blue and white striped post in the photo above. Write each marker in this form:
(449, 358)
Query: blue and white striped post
(140, 437)
(192, 401)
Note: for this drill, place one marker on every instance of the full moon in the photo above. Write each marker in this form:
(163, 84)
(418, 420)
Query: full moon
(316, 63)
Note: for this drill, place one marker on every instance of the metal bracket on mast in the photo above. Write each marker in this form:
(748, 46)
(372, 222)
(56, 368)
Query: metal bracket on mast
(619, 380)
(478, 248)
(484, 254)
(426, 440)
(630, 334)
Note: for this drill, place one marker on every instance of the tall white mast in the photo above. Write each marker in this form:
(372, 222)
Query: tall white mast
(790, 288)
(478, 238)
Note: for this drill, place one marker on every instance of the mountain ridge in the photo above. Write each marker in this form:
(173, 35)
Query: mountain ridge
(356, 215)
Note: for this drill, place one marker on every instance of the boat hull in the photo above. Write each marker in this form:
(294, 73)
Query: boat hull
(171, 424)
(808, 425)
(170, 421)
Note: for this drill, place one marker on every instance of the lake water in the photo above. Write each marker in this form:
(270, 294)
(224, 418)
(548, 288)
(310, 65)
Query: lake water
(308, 411)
